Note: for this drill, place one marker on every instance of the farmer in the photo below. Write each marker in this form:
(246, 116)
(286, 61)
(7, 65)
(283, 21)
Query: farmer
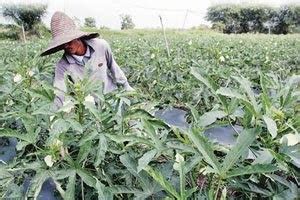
(80, 49)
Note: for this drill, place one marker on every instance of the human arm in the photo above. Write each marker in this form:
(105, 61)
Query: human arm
(116, 72)
(59, 85)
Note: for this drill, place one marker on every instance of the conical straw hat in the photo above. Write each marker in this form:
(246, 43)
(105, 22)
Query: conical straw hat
(64, 30)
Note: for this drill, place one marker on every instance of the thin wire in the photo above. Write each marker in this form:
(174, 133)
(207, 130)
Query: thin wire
(164, 9)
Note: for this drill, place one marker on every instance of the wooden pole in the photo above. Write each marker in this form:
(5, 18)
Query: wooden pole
(186, 14)
(23, 33)
(165, 37)
(24, 40)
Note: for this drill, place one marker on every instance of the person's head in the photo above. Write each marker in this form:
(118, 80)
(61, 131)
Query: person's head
(76, 46)
(63, 30)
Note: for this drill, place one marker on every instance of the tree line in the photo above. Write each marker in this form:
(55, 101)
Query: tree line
(227, 18)
(232, 18)
(28, 16)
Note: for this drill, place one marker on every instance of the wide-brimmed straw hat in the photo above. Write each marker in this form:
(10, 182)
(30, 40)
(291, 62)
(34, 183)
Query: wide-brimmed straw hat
(64, 30)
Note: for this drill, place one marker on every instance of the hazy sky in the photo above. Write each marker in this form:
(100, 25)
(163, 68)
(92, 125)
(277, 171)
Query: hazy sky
(144, 12)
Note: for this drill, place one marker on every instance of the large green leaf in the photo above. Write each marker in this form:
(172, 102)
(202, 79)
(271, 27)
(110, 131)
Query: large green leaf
(287, 91)
(229, 92)
(157, 176)
(232, 93)
(131, 165)
(138, 114)
(199, 74)
(145, 159)
(45, 109)
(271, 126)
(36, 184)
(204, 78)
(103, 192)
(210, 117)
(88, 137)
(86, 177)
(180, 166)
(101, 150)
(244, 140)
(265, 96)
(246, 85)
(70, 190)
(252, 169)
(129, 138)
(75, 125)
(62, 174)
(149, 128)
(58, 126)
(205, 149)
(84, 151)
(14, 133)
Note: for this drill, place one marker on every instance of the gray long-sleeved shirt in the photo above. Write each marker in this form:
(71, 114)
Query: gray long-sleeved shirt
(102, 63)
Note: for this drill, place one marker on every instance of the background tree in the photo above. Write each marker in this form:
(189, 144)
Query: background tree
(126, 22)
(90, 22)
(254, 18)
(285, 19)
(227, 14)
(26, 15)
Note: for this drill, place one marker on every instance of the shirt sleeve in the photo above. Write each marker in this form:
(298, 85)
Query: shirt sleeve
(116, 72)
(59, 86)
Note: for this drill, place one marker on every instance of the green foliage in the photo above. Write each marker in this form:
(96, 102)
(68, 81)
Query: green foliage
(90, 22)
(116, 149)
(9, 32)
(126, 22)
(233, 18)
(24, 14)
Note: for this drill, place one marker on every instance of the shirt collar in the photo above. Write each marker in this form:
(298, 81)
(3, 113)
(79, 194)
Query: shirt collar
(80, 58)
(72, 59)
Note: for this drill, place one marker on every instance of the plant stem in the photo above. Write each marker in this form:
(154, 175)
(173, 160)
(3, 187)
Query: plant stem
(82, 192)
(80, 113)
(218, 187)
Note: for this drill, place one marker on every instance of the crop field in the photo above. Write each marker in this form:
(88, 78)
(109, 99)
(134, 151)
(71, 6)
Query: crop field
(213, 116)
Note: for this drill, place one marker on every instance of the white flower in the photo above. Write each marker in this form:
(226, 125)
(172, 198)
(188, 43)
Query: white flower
(9, 102)
(290, 139)
(57, 143)
(17, 78)
(51, 118)
(179, 158)
(89, 99)
(190, 42)
(30, 73)
(222, 59)
(48, 160)
(67, 106)
(152, 56)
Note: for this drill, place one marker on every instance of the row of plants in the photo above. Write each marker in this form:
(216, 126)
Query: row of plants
(113, 147)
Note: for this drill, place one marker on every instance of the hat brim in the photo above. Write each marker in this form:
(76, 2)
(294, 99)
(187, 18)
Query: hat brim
(58, 44)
